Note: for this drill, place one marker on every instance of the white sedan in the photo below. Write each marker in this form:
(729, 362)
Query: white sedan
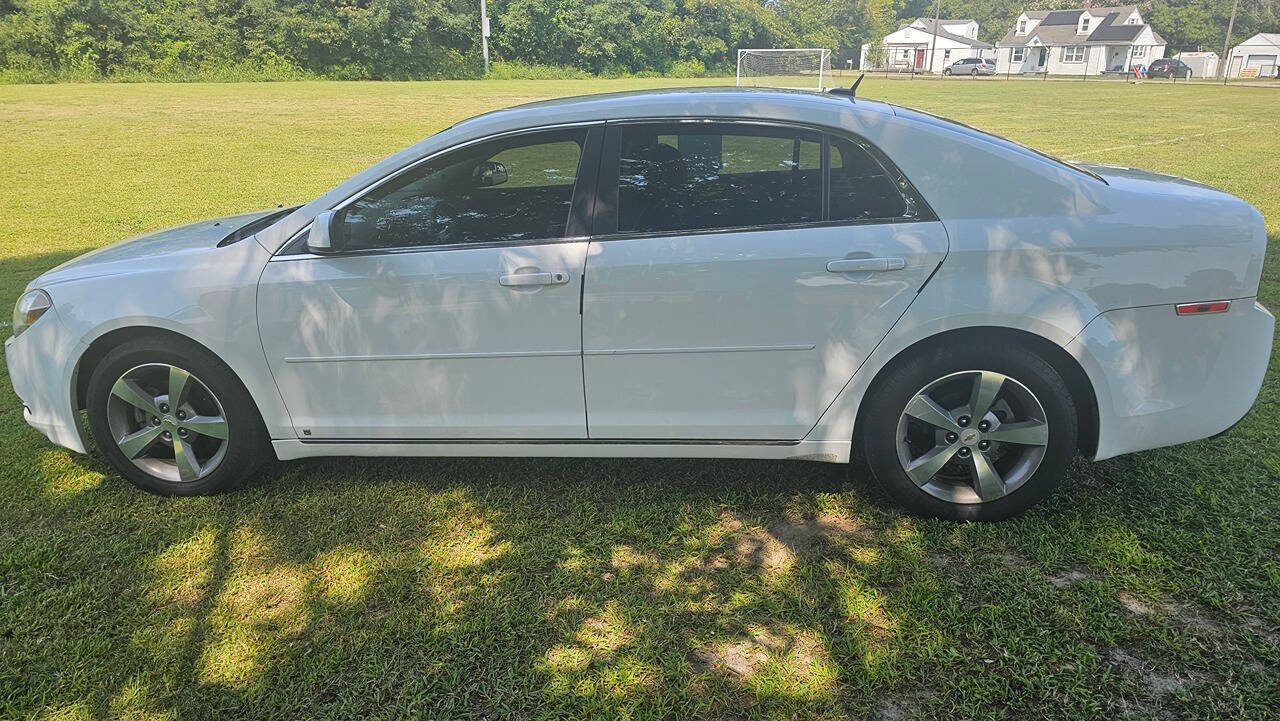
(694, 273)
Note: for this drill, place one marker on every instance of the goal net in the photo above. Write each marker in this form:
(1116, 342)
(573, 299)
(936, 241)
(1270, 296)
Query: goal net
(799, 68)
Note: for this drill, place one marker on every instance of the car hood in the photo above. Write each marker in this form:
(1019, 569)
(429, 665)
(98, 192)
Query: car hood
(201, 237)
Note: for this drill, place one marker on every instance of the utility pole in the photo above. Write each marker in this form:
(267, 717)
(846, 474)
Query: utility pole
(484, 35)
(1225, 62)
(933, 46)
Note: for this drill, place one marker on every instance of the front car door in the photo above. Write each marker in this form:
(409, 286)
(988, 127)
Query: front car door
(740, 274)
(453, 310)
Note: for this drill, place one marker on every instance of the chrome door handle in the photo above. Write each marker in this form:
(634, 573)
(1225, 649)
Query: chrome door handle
(864, 265)
(526, 279)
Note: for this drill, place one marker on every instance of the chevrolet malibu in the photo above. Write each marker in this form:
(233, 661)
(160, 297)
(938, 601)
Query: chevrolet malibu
(723, 273)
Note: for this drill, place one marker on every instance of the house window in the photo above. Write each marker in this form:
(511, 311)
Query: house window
(1073, 54)
(1084, 23)
(1022, 27)
(1139, 51)
(1018, 55)
(906, 53)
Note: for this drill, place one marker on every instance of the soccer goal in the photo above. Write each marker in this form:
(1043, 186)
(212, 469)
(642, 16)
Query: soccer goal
(799, 68)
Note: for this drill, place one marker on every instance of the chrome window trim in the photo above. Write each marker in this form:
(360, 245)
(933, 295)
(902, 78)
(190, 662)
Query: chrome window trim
(778, 227)
(303, 255)
(287, 249)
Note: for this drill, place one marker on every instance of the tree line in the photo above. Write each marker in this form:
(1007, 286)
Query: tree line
(430, 39)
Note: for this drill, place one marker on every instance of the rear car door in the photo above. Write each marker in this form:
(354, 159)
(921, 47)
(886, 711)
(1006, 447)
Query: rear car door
(453, 311)
(739, 274)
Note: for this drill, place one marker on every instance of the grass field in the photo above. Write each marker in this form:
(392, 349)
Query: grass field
(1148, 587)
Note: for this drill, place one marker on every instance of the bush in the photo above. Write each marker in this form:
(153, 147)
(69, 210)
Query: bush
(687, 69)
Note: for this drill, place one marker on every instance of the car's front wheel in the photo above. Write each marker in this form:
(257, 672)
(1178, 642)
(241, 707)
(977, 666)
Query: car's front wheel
(946, 71)
(970, 433)
(173, 419)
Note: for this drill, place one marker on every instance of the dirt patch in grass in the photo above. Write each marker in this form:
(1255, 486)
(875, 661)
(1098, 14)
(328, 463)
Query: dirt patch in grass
(1192, 618)
(900, 708)
(1133, 605)
(1155, 680)
(776, 548)
(796, 652)
(1067, 578)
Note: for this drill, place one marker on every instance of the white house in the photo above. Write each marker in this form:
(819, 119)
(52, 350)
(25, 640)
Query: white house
(917, 46)
(1256, 57)
(1085, 41)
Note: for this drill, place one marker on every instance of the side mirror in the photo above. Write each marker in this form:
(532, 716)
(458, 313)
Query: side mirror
(489, 173)
(325, 236)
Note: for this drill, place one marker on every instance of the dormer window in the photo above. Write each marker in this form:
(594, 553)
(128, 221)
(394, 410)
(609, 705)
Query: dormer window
(1022, 27)
(1084, 23)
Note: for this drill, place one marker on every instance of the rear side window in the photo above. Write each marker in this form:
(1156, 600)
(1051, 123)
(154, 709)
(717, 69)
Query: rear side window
(860, 187)
(703, 176)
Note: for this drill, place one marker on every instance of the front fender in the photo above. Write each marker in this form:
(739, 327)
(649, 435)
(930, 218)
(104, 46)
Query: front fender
(209, 300)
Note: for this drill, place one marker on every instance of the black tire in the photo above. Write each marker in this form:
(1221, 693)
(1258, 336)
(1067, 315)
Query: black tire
(888, 398)
(247, 444)
(974, 72)
(946, 71)
(1186, 75)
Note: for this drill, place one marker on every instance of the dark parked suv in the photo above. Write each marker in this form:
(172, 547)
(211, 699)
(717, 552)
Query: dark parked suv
(971, 66)
(1168, 68)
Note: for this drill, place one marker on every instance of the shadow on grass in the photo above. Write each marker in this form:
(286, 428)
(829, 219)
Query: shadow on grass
(498, 588)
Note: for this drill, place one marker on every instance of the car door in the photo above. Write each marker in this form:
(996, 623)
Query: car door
(453, 311)
(737, 280)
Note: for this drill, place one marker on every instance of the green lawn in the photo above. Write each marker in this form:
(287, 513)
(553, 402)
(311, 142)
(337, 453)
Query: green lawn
(1148, 587)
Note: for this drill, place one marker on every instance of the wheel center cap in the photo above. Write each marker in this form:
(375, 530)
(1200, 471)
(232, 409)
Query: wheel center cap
(969, 436)
(169, 422)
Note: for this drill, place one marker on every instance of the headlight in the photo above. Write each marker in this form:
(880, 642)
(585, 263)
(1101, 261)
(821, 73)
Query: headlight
(29, 309)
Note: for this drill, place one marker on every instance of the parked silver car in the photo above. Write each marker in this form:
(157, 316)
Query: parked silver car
(971, 66)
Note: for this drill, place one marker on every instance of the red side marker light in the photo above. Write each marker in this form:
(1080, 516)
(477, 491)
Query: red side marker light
(1216, 306)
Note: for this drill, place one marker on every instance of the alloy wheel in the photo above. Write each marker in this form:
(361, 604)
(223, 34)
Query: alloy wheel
(167, 422)
(972, 437)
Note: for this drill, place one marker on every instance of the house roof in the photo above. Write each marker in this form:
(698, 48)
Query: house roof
(1263, 39)
(1058, 27)
(943, 21)
(1062, 17)
(929, 28)
(1109, 30)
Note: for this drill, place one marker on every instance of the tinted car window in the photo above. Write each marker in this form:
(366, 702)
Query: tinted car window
(505, 190)
(860, 187)
(702, 176)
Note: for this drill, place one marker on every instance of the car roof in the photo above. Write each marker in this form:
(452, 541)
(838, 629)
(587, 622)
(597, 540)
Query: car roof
(731, 102)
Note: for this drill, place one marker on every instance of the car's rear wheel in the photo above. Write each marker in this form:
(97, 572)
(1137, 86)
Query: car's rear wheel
(1186, 75)
(974, 72)
(173, 420)
(970, 434)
